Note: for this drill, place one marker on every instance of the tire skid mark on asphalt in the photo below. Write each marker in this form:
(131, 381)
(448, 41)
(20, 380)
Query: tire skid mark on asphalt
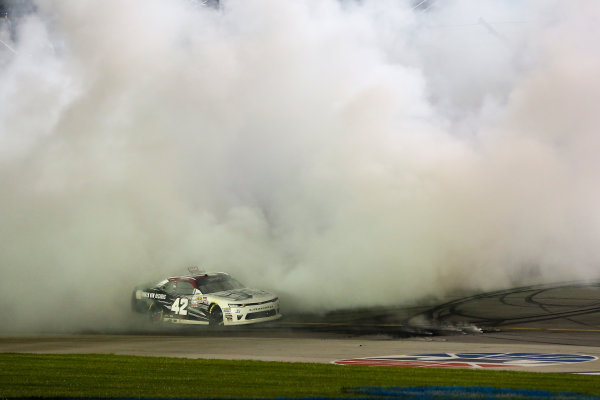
(455, 310)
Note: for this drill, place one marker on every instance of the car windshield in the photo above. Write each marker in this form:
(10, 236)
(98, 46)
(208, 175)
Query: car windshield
(217, 284)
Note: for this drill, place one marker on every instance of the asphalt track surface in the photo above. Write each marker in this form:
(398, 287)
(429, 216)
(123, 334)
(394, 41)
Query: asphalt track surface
(550, 319)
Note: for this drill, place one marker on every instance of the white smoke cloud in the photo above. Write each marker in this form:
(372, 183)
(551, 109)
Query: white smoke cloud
(339, 153)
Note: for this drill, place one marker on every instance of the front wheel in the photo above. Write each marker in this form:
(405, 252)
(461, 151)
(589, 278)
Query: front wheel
(215, 315)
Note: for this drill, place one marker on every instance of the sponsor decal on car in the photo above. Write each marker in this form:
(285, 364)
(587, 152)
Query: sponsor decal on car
(263, 308)
(151, 295)
(470, 360)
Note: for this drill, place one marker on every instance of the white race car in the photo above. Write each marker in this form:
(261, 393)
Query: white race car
(205, 299)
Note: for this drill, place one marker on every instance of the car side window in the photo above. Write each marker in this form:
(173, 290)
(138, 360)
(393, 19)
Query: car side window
(184, 288)
(170, 287)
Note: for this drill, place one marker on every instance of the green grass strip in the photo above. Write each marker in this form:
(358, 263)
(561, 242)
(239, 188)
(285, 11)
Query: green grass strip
(128, 376)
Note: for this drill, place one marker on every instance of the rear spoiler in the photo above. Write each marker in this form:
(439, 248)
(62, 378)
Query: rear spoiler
(194, 270)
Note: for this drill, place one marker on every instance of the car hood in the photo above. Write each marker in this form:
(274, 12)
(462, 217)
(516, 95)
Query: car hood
(245, 295)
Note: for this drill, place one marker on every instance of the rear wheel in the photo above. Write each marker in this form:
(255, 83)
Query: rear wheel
(215, 315)
(137, 305)
(155, 312)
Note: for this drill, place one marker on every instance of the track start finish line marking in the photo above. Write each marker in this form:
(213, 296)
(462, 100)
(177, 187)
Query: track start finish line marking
(470, 360)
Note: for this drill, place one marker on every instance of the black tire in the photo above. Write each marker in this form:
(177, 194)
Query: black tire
(155, 313)
(138, 306)
(215, 315)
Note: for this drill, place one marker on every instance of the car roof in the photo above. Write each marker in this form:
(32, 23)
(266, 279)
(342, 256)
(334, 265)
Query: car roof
(202, 276)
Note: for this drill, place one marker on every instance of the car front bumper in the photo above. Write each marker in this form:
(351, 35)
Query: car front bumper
(251, 314)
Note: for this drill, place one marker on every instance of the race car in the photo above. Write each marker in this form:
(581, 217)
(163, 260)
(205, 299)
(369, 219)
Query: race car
(203, 298)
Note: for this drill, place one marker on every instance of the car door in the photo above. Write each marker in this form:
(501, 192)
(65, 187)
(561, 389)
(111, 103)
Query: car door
(182, 294)
(171, 295)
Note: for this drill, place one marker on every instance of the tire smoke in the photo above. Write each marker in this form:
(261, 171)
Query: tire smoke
(340, 153)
